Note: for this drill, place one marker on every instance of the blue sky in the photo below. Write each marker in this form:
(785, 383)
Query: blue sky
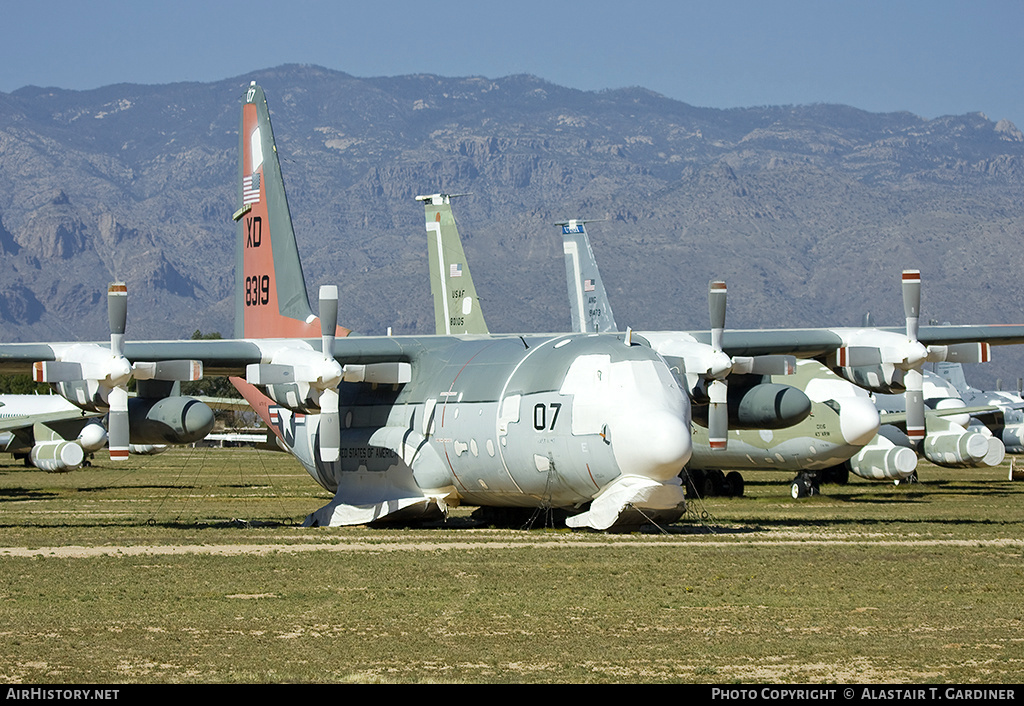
(932, 58)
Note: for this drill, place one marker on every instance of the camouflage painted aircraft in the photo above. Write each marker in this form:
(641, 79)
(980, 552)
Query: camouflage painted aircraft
(95, 378)
(836, 434)
(952, 440)
(399, 426)
(48, 432)
(1006, 421)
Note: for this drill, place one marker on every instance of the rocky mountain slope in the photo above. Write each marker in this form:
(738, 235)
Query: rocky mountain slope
(808, 212)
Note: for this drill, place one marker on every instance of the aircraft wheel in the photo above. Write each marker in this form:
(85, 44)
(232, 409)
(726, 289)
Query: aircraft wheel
(715, 484)
(803, 487)
(734, 482)
(694, 480)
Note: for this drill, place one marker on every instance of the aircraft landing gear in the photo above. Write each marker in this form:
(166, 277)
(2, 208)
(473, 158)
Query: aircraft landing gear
(734, 481)
(912, 478)
(804, 485)
(835, 474)
(702, 483)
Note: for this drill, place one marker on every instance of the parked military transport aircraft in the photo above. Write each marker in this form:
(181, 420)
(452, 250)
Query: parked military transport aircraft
(48, 432)
(838, 435)
(1006, 422)
(951, 440)
(396, 425)
(890, 455)
(54, 435)
(773, 423)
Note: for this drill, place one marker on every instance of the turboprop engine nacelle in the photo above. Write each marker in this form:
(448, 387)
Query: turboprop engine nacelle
(146, 449)
(883, 460)
(762, 406)
(963, 449)
(303, 396)
(883, 378)
(1013, 438)
(168, 420)
(93, 437)
(56, 456)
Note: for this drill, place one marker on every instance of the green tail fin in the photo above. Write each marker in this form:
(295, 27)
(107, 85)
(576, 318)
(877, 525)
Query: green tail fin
(456, 305)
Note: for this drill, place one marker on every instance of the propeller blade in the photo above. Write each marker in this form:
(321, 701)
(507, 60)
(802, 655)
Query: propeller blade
(856, 356)
(914, 381)
(968, 353)
(117, 424)
(269, 374)
(718, 415)
(170, 370)
(330, 428)
(328, 314)
(716, 309)
(56, 371)
(912, 301)
(764, 365)
(117, 315)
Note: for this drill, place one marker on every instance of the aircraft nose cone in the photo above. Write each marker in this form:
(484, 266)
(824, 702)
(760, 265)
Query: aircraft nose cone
(656, 445)
(858, 420)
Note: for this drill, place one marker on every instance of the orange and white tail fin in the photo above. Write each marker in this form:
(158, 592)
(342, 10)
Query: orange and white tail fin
(270, 291)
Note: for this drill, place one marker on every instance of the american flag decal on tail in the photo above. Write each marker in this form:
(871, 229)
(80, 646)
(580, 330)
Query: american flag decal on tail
(251, 189)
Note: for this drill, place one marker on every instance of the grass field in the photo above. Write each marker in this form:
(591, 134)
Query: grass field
(190, 566)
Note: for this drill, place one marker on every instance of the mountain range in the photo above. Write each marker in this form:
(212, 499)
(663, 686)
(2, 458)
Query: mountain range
(808, 212)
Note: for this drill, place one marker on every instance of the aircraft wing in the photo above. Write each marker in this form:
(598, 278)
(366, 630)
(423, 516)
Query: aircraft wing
(233, 403)
(231, 356)
(901, 417)
(219, 357)
(24, 421)
(814, 342)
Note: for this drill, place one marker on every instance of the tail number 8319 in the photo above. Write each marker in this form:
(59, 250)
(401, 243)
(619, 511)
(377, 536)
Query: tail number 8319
(257, 290)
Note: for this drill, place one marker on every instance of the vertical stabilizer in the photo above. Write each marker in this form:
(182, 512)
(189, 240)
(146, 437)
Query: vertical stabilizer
(270, 291)
(588, 302)
(954, 374)
(456, 306)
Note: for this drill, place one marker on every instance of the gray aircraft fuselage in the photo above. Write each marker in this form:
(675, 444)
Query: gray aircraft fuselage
(509, 421)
